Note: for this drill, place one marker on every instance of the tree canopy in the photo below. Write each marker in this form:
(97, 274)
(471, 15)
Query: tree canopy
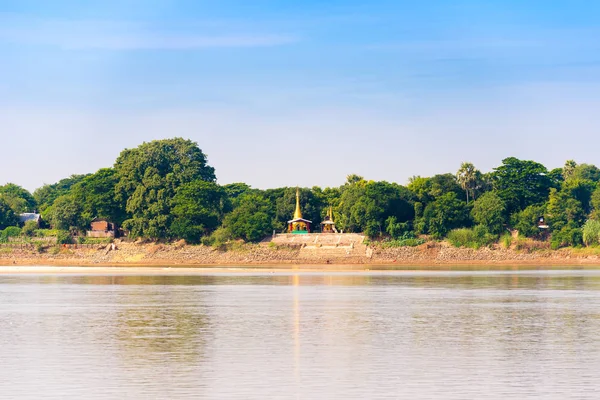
(165, 189)
(149, 177)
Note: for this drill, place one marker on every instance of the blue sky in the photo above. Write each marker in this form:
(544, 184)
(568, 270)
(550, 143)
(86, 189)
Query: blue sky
(299, 93)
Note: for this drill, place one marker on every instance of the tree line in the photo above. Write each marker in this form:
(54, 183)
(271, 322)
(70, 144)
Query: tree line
(165, 189)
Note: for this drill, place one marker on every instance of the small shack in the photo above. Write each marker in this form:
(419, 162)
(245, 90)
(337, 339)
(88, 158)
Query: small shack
(26, 217)
(102, 228)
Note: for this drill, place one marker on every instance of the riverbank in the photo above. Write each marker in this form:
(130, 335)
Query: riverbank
(262, 256)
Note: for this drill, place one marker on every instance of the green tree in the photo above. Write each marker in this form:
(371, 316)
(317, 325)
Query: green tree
(46, 195)
(587, 172)
(66, 214)
(526, 221)
(251, 220)
(521, 183)
(591, 232)
(428, 189)
(198, 209)
(366, 206)
(568, 169)
(469, 178)
(97, 196)
(563, 210)
(148, 178)
(7, 215)
(29, 228)
(18, 199)
(580, 189)
(595, 204)
(235, 190)
(439, 217)
(488, 210)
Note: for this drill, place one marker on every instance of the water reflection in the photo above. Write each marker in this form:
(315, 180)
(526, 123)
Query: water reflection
(450, 335)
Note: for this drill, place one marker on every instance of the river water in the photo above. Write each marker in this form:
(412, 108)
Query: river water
(405, 335)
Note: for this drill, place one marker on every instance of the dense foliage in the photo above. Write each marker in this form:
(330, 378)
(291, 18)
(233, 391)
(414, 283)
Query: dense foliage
(165, 189)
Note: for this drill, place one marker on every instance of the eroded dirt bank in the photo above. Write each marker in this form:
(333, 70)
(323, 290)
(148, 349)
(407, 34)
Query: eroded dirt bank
(269, 255)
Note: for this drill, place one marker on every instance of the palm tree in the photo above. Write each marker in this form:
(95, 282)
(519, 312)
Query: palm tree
(569, 169)
(468, 178)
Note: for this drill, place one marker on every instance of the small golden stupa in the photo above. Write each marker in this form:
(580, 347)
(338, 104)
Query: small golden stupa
(328, 226)
(298, 224)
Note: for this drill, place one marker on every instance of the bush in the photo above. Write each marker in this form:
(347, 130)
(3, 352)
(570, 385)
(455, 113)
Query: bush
(47, 232)
(526, 221)
(92, 240)
(473, 238)
(11, 231)
(566, 237)
(506, 240)
(591, 232)
(218, 238)
(64, 237)
(29, 228)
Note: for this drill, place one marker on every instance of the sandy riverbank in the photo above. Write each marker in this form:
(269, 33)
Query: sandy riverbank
(156, 257)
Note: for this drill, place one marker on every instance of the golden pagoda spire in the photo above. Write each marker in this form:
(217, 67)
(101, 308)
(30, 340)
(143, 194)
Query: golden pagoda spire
(331, 213)
(297, 213)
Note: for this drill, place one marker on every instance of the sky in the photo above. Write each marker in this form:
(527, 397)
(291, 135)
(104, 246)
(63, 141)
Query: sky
(303, 93)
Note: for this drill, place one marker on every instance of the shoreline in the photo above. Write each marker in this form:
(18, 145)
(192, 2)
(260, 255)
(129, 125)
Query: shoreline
(159, 268)
(431, 256)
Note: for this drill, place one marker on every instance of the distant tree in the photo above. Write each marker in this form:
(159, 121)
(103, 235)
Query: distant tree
(97, 197)
(198, 209)
(29, 228)
(591, 232)
(353, 178)
(563, 210)
(488, 210)
(19, 199)
(66, 214)
(580, 189)
(526, 221)
(7, 215)
(556, 176)
(469, 178)
(595, 204)
(251, 220)
(366, 206)
(428, 189)
(235, 190)
(586, 172)
(569, 169)
(439, 217)
(46, 195)
(148, 178)
(521, 183)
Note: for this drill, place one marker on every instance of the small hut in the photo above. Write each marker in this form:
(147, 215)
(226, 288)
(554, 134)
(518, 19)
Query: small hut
(26, 217)
(102, 228)
(298, 225)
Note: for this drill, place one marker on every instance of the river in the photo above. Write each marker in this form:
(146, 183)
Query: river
(363, 335)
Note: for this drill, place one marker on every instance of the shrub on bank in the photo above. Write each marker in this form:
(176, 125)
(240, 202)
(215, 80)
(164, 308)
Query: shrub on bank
(64, 237)
(566, 237)
(506, 240)
(473, 238)
(11, 231)
(91, 240)
(407, 239)
(591, 232)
